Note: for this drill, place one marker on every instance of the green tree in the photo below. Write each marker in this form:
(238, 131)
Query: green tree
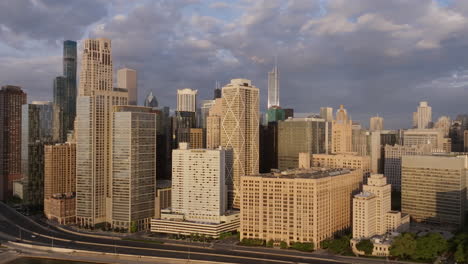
(270, 243)
(430, 246)
(366, 246)
(308, 247)
(283, 245)
(133, 227)
(404, 246)
(338, 246)
(460, 254)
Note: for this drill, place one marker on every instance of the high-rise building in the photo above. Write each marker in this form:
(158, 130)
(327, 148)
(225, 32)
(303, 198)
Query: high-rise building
(182, 123)
(326, 113)
(275, 114)
(11, 100)
(217, 93)
(301, 205)
(196, 138)
(433, 189)
(151, 101)
(444, 123)
(240, 122)
(376, 123)
(435, 137)
(296, 135)
(127, 79)
(268, 147)
(393, 156)
(424, 115)
(360, 140)
(465, 141)
(213, 125)
(273, 88)
(187, 100)
(69, 72)
(61, 100)
(60, 182)
(456, 134)
(372, 213)
(342, 132)
(133, 167)
(199, 193)
(40, 126)
(96, 99)
(206, 105)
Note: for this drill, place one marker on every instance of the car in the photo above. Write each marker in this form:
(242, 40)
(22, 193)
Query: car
(33, 236)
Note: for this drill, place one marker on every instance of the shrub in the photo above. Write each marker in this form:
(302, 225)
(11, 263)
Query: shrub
(307, 247)
(283, 245)
(366, 246)
(252, 242)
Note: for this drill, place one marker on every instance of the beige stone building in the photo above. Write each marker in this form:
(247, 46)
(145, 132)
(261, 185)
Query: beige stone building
(377, 185)
(95, 102)
(360, 141)
(433, 189)
(187, 100)
(364, 215)
(301, 205)
(336, 161)
(196, 138)
(296, 135)
(392, 164)
(163, 197)
(342, 132)
(60, 182)
(435, 137)
(443, 123)
(133, 167)
(424, 116)
(240, 121)
(127, 79)
(213, 125)
(376, 123)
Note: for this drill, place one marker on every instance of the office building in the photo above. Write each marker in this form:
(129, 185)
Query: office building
(217, 92)
(360, 140)
(163, 197)
(96, 99)
(151, 101)
(11, 100)
(187, 100)
(456, 135)
(70, 60)
(342, 132)
(435, 137)
(433, 189)
(296, 205)
(296, 135)
(182, 123)
(364, 215)
(133, 167)
(377, 185)
(60, 182)
(393, 156)
(326, 113)
(376, 123)
(268, 147)
(213, 125)
(40, 126)
(127, 79)
(424, 116)
(206, 105)
(199, 194)
(240, 122)
(273, 88)
(443, 123)
(197, 138)
(336, 161)
(275, 114)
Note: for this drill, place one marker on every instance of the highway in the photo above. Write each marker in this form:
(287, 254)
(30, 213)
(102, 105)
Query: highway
(22, 228)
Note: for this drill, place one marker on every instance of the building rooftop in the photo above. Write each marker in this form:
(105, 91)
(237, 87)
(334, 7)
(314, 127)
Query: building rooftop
(364, 195)
(312, 173)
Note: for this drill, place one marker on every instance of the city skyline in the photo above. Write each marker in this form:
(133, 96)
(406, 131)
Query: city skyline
(314, 74)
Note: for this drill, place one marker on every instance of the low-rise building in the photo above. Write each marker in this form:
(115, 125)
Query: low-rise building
(61, 208)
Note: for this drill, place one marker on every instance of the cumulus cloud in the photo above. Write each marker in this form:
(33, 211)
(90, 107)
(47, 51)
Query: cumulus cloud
(373, 56)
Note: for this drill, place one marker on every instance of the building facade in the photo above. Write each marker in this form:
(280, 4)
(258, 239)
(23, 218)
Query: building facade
(301, 205)
(336, 161)
(435, 137)
(240, 121)
(342, 132)
(11, 100)
(376, 123)
(326, 113)
(127, 79)
(424, 116)
(273, 88)
(187, 100)
(96, 99)
(433, 189)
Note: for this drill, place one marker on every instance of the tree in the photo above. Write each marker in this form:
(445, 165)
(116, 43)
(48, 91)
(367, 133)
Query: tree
(133, 227)
(366, 246)
(283, 245)
(338, 246)
(308, 247)
(460, 254)
(404, 246)
(270, 243)
(430, 246)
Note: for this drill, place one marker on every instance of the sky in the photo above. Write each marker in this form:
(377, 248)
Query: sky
(374, 56)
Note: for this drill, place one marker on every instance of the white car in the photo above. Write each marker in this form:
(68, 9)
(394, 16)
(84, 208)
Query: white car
(33, 236)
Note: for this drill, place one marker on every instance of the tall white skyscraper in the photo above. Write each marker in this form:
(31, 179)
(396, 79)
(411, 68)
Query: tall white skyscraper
(273, 87)
(187, 100)
(127, 79)
(97, 96)
(424, 115)
(240, 121)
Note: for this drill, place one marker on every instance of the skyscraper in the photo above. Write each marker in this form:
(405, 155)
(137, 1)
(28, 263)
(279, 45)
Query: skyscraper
(424, 115)
(376, 123)
(69, 72)
(444, 123)
(213, 125)
(94, 125)
(11, 100)
(342, 132)
(127, 79)
(40, 126)
(273, 87)
(151, 100)
(217, 91)
(326, 113)
(133, 167)
(240, 122)
(187, 100)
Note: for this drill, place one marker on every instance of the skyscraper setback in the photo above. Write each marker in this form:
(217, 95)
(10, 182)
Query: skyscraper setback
(94, 124)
